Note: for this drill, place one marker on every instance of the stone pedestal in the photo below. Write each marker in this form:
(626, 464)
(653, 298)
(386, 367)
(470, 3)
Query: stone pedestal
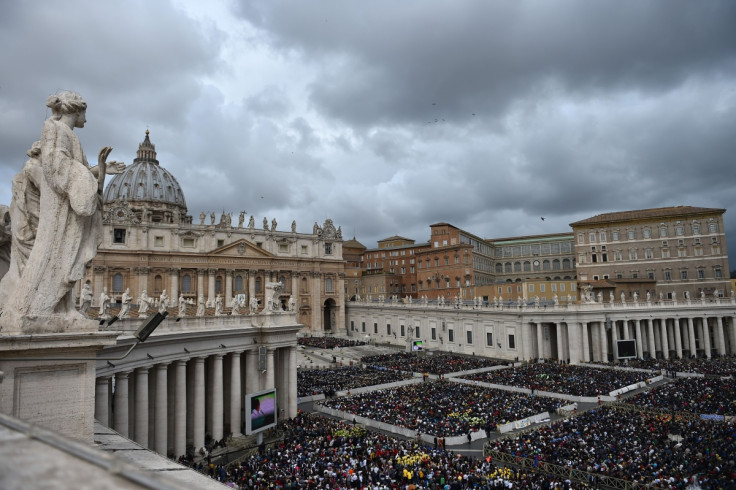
(47, 381)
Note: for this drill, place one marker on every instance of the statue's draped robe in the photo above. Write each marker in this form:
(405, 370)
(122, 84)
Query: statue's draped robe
(69, 227)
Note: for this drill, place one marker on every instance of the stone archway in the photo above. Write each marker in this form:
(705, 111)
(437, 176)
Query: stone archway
(329, 317)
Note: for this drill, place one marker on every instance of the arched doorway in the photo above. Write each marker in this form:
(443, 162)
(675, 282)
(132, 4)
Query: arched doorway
(329, 318)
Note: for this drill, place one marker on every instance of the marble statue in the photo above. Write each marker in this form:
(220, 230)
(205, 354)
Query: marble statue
(649, 297)
(272, 296)
(610, 297)
(251, 223)
(265, 223)
(636, 297)
(536, 301)
(623, 297)
(104, 312)
(687, 295)
(569, 299)
(292, 303)
(163, 302)
(6, 237)
(182, 306)
(273, 224)
(702, 296)
(125, 302)
(86, 298)
(218, 305)
(241, 219)
(556, 300)
(143, 303)
(293, 226)
(56, 215)
(236, 307)
(200, 305)
(253, 305)
(202, 216)
(212, 218)
(600, 297)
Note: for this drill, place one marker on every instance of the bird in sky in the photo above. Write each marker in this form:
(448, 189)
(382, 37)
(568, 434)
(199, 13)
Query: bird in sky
(542, 218)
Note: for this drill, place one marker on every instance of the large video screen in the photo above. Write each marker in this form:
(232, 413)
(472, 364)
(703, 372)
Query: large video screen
(627, 349)
(416, 345)
(260, 410)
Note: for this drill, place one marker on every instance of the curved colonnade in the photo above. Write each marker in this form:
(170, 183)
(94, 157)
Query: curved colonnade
(191, 376)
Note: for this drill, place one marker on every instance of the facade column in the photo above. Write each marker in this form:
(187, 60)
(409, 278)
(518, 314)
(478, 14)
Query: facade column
(691, 338)
(198, 415)
(586, 347)
(217, 398)
(180, 409)
(295, 284)
(663, 335)
(200, 282)
(141, 406)
(98, 284)
(121, 403)
(236, 394)
(174, 285)
(211, 286)
(102, 400)
(251, 285)
(678, 336)
(252, 375)
(706, 336)
(639, 346)
(292, 408)
(719, 336)
(142, 273)
(228, 288)
(161, 410)
(650, 336)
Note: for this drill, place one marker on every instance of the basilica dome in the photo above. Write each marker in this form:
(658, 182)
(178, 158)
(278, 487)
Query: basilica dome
(146, 184)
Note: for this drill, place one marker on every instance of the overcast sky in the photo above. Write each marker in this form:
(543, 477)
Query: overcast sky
(389, 116)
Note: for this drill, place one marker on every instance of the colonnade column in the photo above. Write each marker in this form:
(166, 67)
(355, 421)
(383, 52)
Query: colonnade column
(575, 351)
(236, 393)
(198, 415)
(663, 335)
(604, 340)
(121, 403)
(141, 406)
(217, 409)
(560, 349)
(732, 334)
(650, 337)
(252, 376)
(270, 380)
(691, 337)
(102, 400)
(706, 336)
(180, 409)
(161, 409)
(614, 340)
(292, 409)
(678, 336)
(540, 341)
(586, 347)
(719, 336)
(639, 346)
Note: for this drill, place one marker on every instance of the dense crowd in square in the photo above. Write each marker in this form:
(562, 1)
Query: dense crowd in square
(444, 408)
(328, 381)
(317, 452)
(433, 364)
(562, 378)
(712, 396)
(328, 342)
(636, 447)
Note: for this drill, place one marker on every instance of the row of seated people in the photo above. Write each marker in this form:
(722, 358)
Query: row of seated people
(328, 342)
(434, 364)
(716, 366)
(328, 381)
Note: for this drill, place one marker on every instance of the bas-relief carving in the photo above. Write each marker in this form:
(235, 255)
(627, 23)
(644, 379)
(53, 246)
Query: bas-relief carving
(56, 215)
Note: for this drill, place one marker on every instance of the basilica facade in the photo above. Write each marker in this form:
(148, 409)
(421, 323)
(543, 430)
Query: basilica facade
(153, 246)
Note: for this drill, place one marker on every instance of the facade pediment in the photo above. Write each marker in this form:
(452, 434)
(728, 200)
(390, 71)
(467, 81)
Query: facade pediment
(241, 248)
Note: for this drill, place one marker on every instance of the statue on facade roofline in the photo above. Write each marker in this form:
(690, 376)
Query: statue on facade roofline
(125, 302)
(56, 215)
(143, 303)
(200, 305)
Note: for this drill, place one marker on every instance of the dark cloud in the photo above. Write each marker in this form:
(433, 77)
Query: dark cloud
(390, 116)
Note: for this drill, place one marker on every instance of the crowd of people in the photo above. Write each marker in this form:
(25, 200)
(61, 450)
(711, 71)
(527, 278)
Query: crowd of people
(328, 342)
(711, 396)
(717, 366)
(435, 364)
(638, 447)
(444, 408)
(562, 378)
(317, 452)
(329, 381)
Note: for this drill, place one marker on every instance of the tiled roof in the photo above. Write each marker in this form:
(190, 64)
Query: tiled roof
(654, 213)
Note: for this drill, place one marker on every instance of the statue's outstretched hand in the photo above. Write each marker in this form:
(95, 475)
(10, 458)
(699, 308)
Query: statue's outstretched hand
(114, 168)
